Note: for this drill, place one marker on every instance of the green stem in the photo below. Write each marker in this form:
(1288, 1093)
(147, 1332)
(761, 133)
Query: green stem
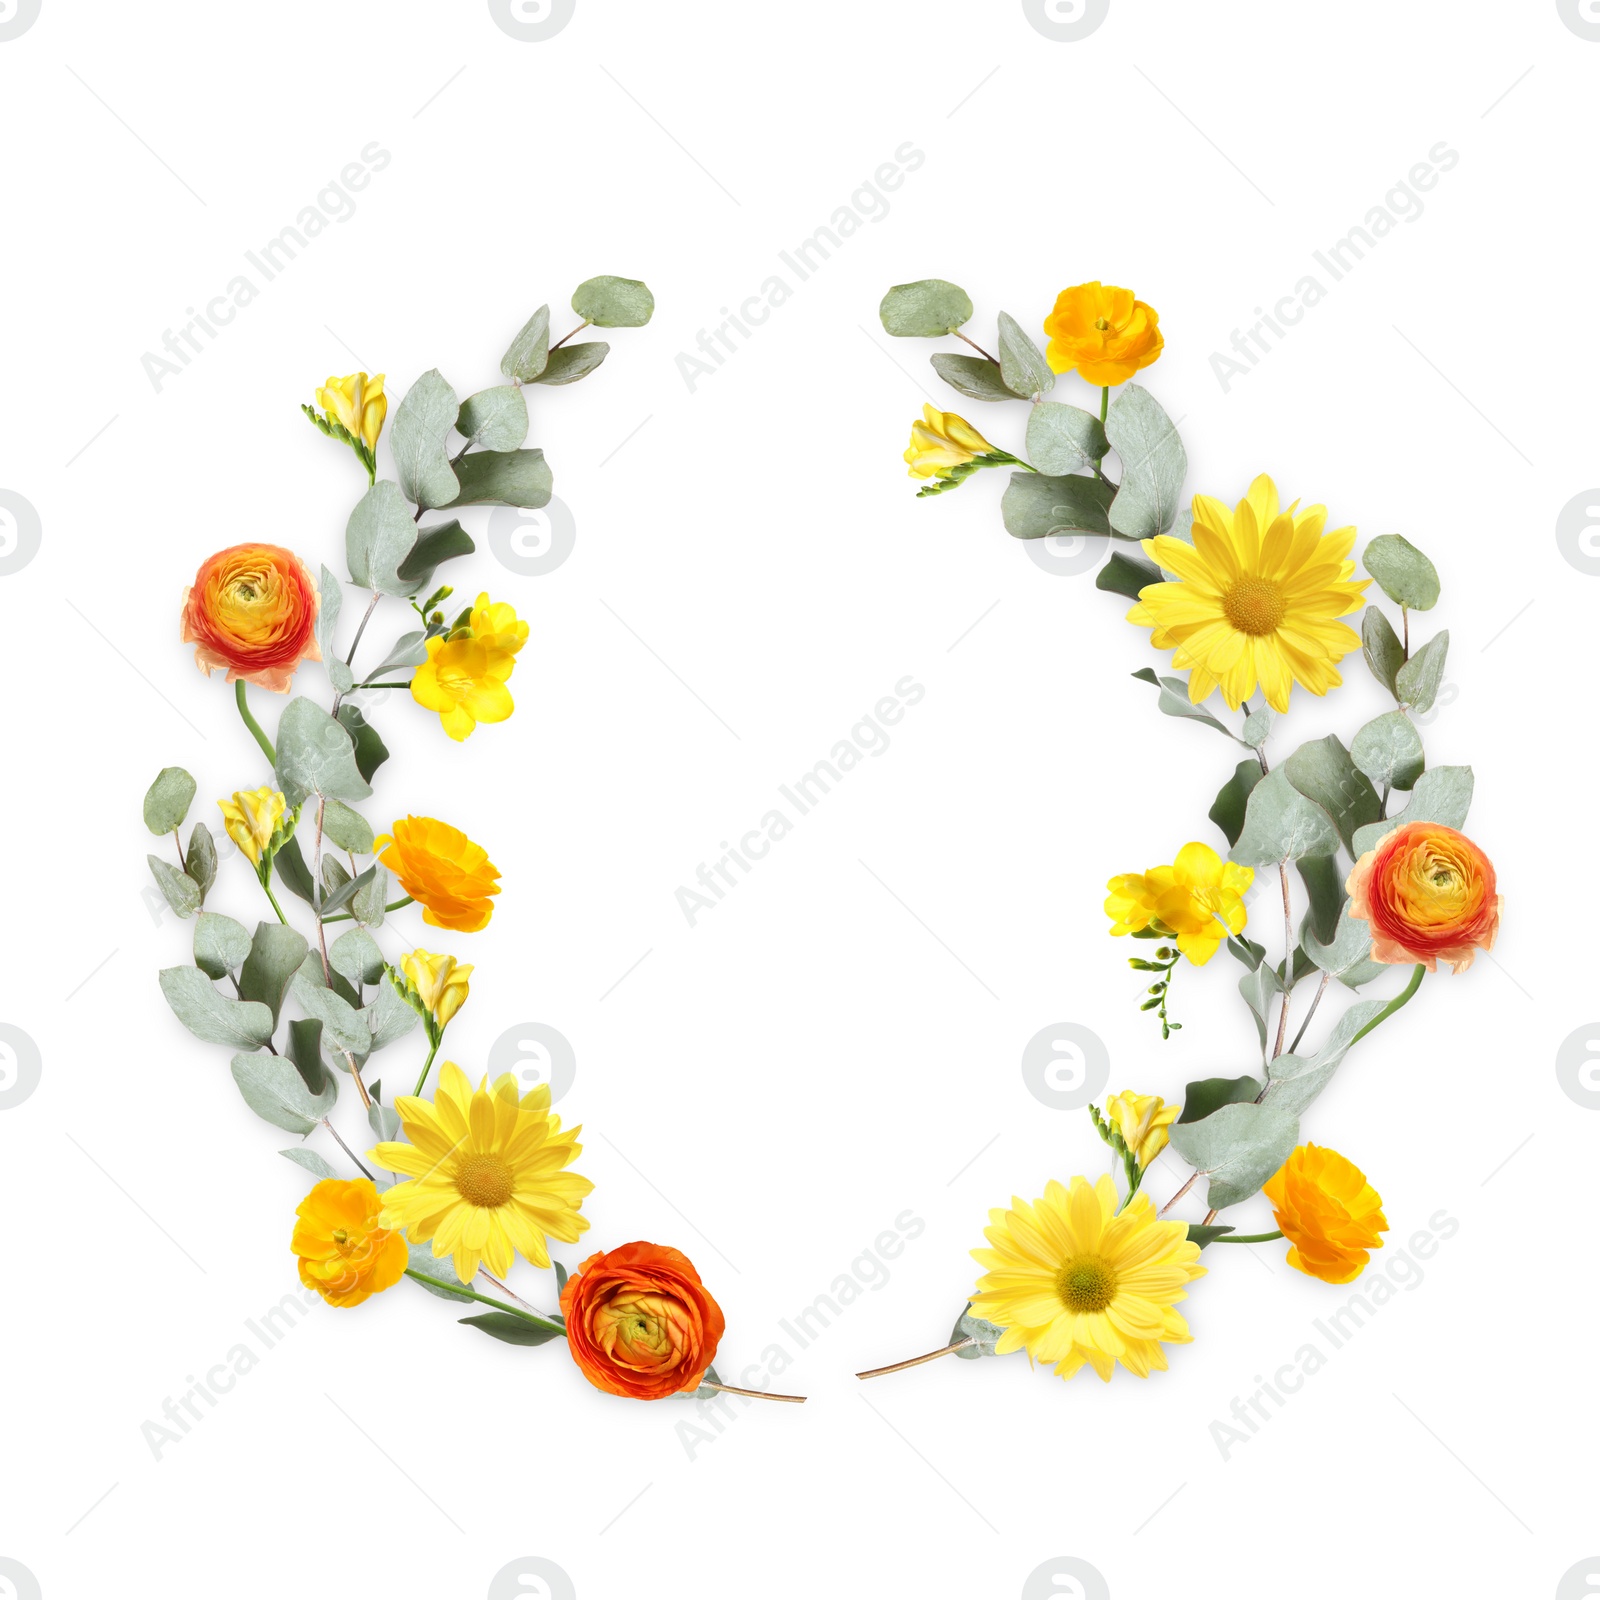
(266, 889)
(254, 726)
(1248, 1238)
(346, 916)
(405, 685)
(1394, 1005)
(483, 1299)
(1105, 405)
(427, 1066)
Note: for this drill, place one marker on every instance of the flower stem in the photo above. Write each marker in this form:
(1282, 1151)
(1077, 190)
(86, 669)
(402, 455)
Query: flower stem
(266, 889)
(975, 345)
(483, 1299)
(1105, 405)
(1394, 1005)
(427, 1066)
(251, 723)
(1248, 1238)
(347, 916)
(917, 1361)
(755, 1394)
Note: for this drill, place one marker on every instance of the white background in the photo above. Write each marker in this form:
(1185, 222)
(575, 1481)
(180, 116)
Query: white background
(838, 1042)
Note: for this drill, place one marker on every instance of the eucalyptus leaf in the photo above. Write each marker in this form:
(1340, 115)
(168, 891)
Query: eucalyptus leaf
(347, 890)
(371, 752)
(530, 350)
(178, 889)
(343, 1027)
(1153, 464)
(220, 944)
(1441, 794)
(1351, 943)
(422, 421)
(388, 1018)
(440, 543)
(511, 478)
(1023, 367)
(341, 677)
(1204, 1233)
(1281, 824)
(316, 756)
(1389, 750)
(356, 957)
(1257, 727)
(423, 1260)
(1246, 952)
(409, 650)
(613, 302)
(1206, 1095)
(293, 873)
(1228, 809)
(509, 1329)
(1126, 573)
(1407, 576)
(1037, 506)
(977, 377)
(1174, 701)
(1258, 988)
(1416, 684)
(1063, 439)
(274, 1090)
(368, 903)
(334, 877)
(985, 1336)
(310, 1160)
(494, 419)
(1324, 892)
(1324, 773)
(378, 537)
(167, 800)
(925, 309)
(200, 859)
(1380, 644)
(305, 1051)
(210, 1015)
(383, 1121)
(1295, 1081)
(330, 597)
(275, 955)
(572, 362)
(348, 829)
(1238, 1148)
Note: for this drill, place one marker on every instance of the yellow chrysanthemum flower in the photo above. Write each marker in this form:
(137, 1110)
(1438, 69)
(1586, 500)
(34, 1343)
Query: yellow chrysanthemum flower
(495, 622)
(464, 680)
(485, 1174)
(1072, 1280)
(1199, 899)
(440, 983)
(1257, 599)
(357, 404)
(1142, 1120)
(251, 818)
(943, 440)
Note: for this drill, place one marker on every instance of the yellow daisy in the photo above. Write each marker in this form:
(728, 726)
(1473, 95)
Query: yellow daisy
(1072, 1281)
(1257, 599)
(485, 1173)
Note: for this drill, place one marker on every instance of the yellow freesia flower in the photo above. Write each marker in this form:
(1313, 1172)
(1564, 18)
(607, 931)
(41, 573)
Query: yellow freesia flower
(357, 404)
(251, 818)
(495, 622)
(1257, 600)
(440, 983)
(943, 440)
(1142, 1120)
(1199, 898)
(464, 680)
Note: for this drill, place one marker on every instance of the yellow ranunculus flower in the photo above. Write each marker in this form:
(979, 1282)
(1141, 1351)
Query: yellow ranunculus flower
(943, 440)
(440, 982)
(1199, 898)
(495, 622)
(1328, 1212)
(1142, 1120)
(1103, 332)
(251, 818)
(464, 680)
(357, 404)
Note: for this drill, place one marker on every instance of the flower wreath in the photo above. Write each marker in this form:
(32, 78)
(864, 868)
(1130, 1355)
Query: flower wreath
(484, 1171)
(1249, 602)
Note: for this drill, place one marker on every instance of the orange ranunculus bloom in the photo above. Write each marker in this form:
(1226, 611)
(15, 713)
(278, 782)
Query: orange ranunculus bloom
(640, 1323)
(345, 1254)
(253, 610)
(1328, 1212)
(443, 871)
(1102, 331)
(1429, 894)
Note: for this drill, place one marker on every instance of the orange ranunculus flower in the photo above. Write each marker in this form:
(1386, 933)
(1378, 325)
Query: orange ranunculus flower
(1102, 331)
(1328, 1212)
(443, 871)
(640, 1323)
(1429, 894)
(345, 1254)
(253, 610)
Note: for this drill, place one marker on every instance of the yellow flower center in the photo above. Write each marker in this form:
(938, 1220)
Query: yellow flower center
(1086, 1283)
(1101, 325)
(340, 1236)
(1255, 606)
(484, 1180)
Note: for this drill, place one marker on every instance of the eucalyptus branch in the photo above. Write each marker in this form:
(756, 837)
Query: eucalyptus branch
(917, 1361)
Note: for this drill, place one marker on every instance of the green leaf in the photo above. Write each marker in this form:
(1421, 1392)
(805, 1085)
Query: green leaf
(1204, 1233)
(1257, 727)
(511, 1329)
(494, 419)
(348, 829)
(330, 597)
(512, 478)
(209, 1015)
(371, 752)
(1280, 824)
(1347, 955)
(1035, 506)
(388, 1018)
(530, 350)
(1417, 682)
(1206, 1095)
(1380, 644)
(276, 1093)
(1325, 892)
(200, 859)
(355, 956)
(167, 800)
(1259, 986)
(1404, 574)
(310, 1160)
(977, 377)
(423, 1260)
(1063, 439)
(924, 310)
(561, 1276)
(342, 1024)
(1441, 794)
(1324, 773)
(1295, 1081)
(1227, 810)
(614, 302)
(1126, 574)
(1246, 952)
(220, 944)
(984, 1334)
(275, 956)
(409, 650)
(440, 543)
(571, 362)
(422, 421)
(1238, 1148)
(384, 1121)
(305, 1051)
(378, 536)
(1023, 367)
(1389, 750)
(1174, 701)
(341, 677)
(368, 904)
(178, 889)
(346, 888)
(316, 756)
(293, 873)
(1153, 464)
